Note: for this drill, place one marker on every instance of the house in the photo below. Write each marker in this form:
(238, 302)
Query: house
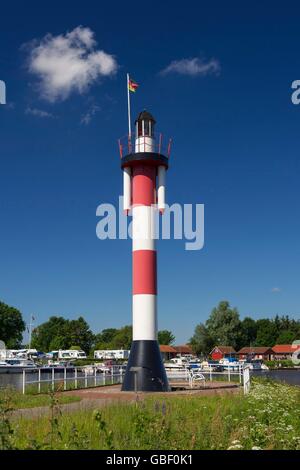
(284, 351)
(183, 350)
(167, 352)
(255, 352)
(221, 352)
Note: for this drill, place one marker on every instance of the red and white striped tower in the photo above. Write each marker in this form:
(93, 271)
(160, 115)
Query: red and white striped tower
(144, 191)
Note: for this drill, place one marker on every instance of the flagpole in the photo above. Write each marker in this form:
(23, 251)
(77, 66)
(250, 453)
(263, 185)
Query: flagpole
(30, 331)
(129, 117)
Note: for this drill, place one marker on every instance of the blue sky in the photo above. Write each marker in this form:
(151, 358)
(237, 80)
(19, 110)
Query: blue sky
(236, 150)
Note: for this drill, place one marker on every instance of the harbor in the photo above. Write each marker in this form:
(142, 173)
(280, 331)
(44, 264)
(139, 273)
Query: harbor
(25, 371)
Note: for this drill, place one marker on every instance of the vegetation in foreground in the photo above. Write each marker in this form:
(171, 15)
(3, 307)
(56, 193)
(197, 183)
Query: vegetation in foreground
(267, 418)
(16, 400)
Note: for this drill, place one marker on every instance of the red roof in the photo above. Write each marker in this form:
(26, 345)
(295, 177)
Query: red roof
(285, 348)
(224, 349)
(184, 349)
(255, 350)
(165, 348)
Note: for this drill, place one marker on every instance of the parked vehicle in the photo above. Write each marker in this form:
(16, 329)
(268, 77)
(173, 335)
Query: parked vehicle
(111, 354)
(66, 354)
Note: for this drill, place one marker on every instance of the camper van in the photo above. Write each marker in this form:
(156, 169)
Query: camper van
(67, 354)
(111, 354)
(71, 354)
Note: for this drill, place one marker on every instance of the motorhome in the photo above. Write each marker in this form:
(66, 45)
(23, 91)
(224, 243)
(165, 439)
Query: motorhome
(111, 354)
(18, 353)
(67, 354)
(71, 354)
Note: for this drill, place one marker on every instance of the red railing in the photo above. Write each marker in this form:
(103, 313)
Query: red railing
(127, 145)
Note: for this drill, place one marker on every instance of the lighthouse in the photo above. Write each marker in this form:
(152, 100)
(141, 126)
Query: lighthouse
(144, 165)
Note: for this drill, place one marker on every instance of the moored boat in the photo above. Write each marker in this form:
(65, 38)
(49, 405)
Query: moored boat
(15, 366)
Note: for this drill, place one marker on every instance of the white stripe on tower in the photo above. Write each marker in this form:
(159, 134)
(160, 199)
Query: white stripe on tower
(144, 254)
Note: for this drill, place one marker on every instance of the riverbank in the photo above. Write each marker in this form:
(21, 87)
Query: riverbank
(267, 418)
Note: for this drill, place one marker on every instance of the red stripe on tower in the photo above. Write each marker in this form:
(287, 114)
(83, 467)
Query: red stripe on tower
(144, 272)
(143, 185)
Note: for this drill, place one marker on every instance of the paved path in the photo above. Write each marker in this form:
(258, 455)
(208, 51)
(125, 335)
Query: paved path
(93, 398)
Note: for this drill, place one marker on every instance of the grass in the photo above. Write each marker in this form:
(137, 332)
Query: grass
(267, 418)
(280, 364)
(18, 400)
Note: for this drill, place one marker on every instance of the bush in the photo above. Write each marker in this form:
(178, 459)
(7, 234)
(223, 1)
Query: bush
(280, 363)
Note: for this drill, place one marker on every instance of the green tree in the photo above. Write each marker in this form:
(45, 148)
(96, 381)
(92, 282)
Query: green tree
(79, 333)
(11, 326)
(123, 338)
(44, 336)
(165, 337)
(59, 333)
(105, 336)
(286, 337)
(201, 342)
(266, 332)
(248, 332)
(224, 325)
(112, 338)
(58, 342)
(287, 329)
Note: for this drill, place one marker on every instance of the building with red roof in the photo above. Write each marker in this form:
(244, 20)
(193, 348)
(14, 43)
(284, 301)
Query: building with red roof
(256, 352)
(285, 351)
(167, 351)
(221, 352)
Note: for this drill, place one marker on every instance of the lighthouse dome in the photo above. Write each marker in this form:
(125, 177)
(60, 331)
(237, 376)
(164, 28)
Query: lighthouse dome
(145, 116)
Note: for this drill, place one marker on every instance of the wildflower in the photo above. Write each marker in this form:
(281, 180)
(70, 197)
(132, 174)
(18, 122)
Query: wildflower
(235, 447)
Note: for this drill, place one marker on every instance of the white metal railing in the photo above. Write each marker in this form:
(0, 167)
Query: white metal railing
(208, 373)
(158, 145)
(86, 377)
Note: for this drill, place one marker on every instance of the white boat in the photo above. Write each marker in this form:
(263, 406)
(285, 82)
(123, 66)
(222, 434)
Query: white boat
(176, 363)
(14, 365)
(232, 365)
(256, 364)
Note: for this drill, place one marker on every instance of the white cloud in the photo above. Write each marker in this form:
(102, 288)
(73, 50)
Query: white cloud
(87, 117)
(193, 67)
(275, 289)
(68, 63)
(38, 113)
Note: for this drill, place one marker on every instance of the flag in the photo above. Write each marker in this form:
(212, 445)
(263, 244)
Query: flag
(132, 86)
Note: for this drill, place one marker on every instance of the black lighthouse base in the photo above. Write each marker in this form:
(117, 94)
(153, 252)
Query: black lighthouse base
(145, 371)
